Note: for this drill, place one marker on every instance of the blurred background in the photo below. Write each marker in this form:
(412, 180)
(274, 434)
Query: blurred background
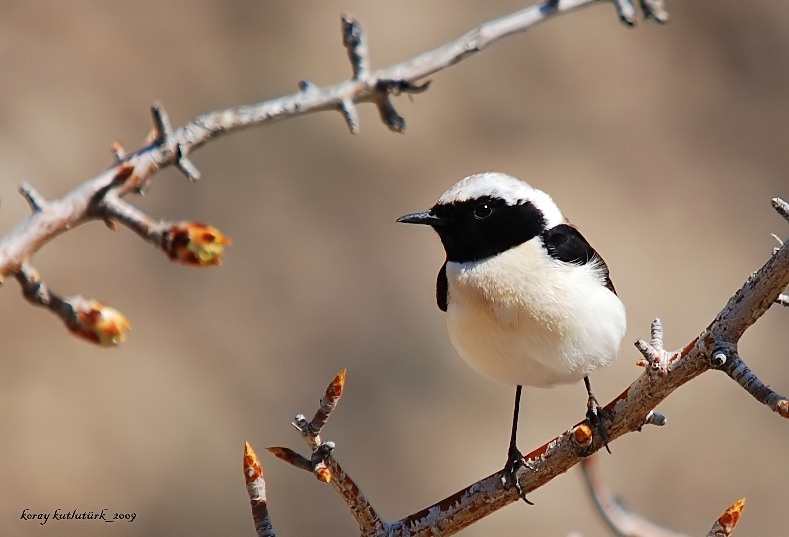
(664, 144)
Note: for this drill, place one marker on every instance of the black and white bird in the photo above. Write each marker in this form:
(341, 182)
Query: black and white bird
(529, 302)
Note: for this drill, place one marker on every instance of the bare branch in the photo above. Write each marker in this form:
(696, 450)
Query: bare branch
(131, 172)
(386, 109)
(630, 411)
(751, 301)
(118, 151)
(355, 41)
(33, 198)
(291, 457)
(732, 365)
(328, 403)
(186, 166)
(782, 207)
(86, 318)
(655, 418)
(657, 357)
(724, 526)
(191, 243)
(351, 116)
(163, 137)
(368, 519)
(363, 88)
(320, 459)
(626, 11)
(325, 466)
(256, 488)
(655, 10)
(316, 464)
(622, 521)
(37, 292)
(58, 216)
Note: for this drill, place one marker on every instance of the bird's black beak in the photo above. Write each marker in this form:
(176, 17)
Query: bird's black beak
(427, 218)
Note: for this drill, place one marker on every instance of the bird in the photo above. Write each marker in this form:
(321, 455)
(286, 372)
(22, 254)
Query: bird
(528, 301)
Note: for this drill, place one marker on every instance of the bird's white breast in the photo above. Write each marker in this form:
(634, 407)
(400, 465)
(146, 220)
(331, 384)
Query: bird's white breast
(521, 317)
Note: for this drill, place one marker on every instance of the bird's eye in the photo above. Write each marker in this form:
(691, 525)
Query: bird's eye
(482, 211)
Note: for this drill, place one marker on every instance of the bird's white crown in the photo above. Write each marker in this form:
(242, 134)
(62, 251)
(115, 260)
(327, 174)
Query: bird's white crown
(500, 185)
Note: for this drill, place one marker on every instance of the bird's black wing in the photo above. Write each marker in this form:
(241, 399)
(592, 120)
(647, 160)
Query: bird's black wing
(565, 243)
(442, 287)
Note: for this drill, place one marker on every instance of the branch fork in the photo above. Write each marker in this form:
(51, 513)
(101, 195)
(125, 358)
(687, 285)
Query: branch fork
(324, 466)
(714, 348)
(656, 357)
(99, 198)
(729, 361)
(163, 137)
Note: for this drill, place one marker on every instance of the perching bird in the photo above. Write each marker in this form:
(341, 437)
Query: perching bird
(528, 301)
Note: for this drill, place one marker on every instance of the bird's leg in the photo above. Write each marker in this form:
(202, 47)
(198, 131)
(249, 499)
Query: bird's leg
(593, 411)
(514, 456)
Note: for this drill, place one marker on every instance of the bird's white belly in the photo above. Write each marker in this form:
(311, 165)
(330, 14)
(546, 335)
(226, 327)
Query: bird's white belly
(517, 328)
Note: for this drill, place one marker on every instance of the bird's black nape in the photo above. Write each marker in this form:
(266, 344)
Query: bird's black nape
(565, 243)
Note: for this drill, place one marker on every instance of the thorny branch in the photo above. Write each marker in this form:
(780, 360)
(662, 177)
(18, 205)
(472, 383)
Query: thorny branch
(664, 372)
(99, 198)
(325, 466)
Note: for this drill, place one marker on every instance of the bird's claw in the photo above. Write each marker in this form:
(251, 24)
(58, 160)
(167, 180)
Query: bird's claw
(515, 461)
(594, 415)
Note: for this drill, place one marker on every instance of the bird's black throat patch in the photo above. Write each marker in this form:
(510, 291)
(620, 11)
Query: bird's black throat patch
(478, 228)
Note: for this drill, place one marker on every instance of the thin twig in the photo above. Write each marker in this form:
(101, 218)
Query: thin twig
(86, 318)
(628, 412)
(118, 151)
(291, 457)
(655, 10)
(350, 114)
(782, 207)
(751, 301)
(328, 403)
(37, 292)
(132, 172)
(657, 357)
(655, 418)
(627, 11)
(170, 146)
(325, 467)
(35, 200)
(733, 365)
(622, 521)
(191, 243)
(256, 488)
(724, 526)
(355, 41)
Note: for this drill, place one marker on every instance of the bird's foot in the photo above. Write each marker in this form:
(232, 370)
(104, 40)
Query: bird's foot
(594, 415)
(515, 461)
